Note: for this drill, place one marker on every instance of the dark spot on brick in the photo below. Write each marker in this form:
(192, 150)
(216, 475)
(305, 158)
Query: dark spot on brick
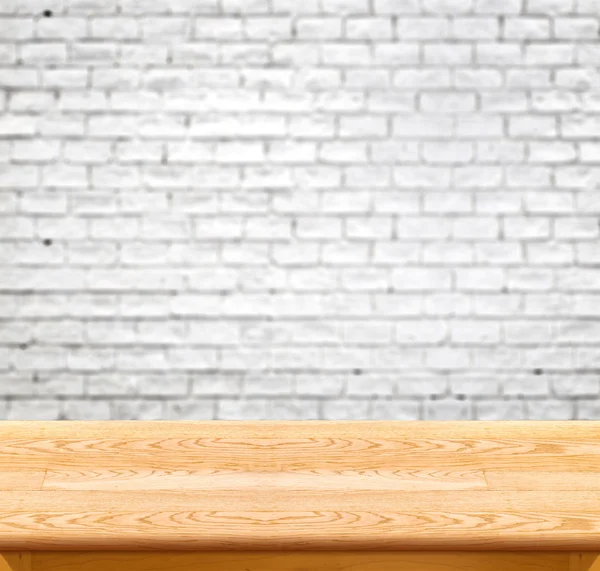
(358, 371)
(63, 416)
(35, 378)
(461, 397)
(47, 242)
(504, 289)
(47, 13)
(23, 346)
(538, 371)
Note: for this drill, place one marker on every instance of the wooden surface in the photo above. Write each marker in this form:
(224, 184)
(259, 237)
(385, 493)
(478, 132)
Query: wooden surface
(304, 561)
(297, 486)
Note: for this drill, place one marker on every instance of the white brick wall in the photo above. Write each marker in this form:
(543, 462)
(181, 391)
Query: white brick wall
(337, 209)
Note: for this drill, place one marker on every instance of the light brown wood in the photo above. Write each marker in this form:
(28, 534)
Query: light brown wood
(16, 561)
(21, 479)
(578, 430)
(584, 562)
(300, 485)
(295, 561)
(301, 561)
(228, 479)
(543, 480)
(320, 452)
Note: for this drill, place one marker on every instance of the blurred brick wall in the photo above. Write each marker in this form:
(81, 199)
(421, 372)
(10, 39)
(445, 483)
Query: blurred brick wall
(299, 209)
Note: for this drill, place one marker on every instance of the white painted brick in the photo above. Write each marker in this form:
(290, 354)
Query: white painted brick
(448, 54)
(532, 78)
(500, 54)
(453, 253)
(436, 102)
(576, 228)
(31, 101)
(60, 28)
(421, 279)
(447, 410)
(18, 78)
(529, 279)
(477, 78)
(87, 152)
(83, 409)
(368, 228)
(124, 28)
(480, 228)
(300, 210)
(367, 79)
(549, 54)
(346, 409)
(190, 410)
(549, 409)
(421, 28)
(500, 410)
(341, 254)
(448, 152)
(137, 409)
(587, 253)
(447, 202)
(421, 78)
(465, 28)
(238, 409)
(345, 6)
(499, 253)
(33, 410)
(395, 7)
(35, 150)
(480, 279)
(575, 28)
(63, 77)
(529, 28)
(368, 28)
(345, 54)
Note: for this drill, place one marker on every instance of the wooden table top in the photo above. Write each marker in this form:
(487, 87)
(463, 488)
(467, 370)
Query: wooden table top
(307, 485)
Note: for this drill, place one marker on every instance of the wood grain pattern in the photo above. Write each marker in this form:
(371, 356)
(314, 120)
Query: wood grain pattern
(300, 485)
(302, 561)
(320, 452)
(578, 430)
(22, 479)
(543, 480)
(230, 479)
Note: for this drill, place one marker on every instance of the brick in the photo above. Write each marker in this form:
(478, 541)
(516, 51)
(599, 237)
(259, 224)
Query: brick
(465, 28)
(300, 210)
(530, 28)
(36, 151)
(500, 410)
(33, 410)
(447, 410)
(137, 409)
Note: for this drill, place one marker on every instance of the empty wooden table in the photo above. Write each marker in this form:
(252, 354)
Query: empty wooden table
(299, 496)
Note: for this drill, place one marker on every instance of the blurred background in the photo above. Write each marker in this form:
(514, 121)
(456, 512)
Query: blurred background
(271, 209)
